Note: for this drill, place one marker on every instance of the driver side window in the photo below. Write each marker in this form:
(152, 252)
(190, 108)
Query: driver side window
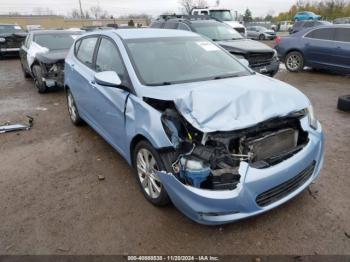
(109, 59)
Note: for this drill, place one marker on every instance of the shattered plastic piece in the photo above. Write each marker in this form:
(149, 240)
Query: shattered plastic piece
(17, 127)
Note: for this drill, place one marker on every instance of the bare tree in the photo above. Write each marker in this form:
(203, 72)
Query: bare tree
(75, 14)
(188, 5)
(96, 11)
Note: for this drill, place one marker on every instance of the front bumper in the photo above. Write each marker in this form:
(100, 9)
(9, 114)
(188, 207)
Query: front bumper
(270, 69)
(220, 207)
(9, 50)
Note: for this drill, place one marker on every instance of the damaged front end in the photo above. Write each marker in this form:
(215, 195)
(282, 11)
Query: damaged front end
(52, 66)
(210, 170)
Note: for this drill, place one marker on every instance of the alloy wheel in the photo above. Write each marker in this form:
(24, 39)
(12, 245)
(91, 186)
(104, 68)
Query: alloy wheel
(146, 169)
(71, 107)
(294, 62)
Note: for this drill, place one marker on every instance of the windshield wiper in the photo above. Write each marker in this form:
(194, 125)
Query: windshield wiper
(226, 76)
(161, 84)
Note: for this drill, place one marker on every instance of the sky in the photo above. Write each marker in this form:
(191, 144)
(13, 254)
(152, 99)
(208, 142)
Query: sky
(152, 7)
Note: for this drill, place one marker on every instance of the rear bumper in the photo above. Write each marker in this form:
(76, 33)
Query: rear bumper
(220, 207)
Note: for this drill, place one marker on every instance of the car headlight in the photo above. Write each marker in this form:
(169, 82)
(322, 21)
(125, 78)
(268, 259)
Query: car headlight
(239, 57)
(275, 55)
(312, 119)
(2, 40)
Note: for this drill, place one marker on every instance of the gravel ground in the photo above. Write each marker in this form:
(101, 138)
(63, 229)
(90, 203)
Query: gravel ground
(53, 203)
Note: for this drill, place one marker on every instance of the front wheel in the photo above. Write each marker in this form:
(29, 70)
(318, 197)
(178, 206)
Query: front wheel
(38, 79)
(147, 162)
(261, 37)
(294, 61)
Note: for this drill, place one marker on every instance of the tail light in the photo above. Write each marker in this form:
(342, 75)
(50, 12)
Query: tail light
(278, 40)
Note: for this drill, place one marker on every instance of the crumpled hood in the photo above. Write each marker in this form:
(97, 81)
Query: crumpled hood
(234, 103)
(245, 45)
(52, 57)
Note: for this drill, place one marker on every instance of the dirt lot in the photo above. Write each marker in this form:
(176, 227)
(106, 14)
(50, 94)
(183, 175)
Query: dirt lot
(53, 203)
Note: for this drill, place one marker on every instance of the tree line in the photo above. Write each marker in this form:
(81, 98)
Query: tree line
(327, 9)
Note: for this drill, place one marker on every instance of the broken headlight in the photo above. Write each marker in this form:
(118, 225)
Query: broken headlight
(312, 119)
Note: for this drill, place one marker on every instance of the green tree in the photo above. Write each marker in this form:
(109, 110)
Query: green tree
(247, 17)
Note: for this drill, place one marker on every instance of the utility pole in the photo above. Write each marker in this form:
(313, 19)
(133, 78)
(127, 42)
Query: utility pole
(81, 10)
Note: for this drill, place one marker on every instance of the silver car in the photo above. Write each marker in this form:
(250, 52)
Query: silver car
(260, 33)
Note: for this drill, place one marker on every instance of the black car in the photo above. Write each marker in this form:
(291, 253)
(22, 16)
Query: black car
(11, 38)
(301, 25)
(261, 57)
(42, 57)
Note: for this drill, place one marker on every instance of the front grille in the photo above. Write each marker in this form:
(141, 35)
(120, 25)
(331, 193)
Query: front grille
(260, 59)
(282, 190)
(240, 30)
(14, 42)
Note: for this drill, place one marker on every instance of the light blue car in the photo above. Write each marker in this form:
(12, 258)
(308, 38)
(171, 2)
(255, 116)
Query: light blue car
(202, 130)
(305, 15)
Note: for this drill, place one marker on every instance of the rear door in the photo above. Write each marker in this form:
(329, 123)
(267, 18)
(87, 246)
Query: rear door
(319, 47)
(342, 45)
(81, 73)
(23, 52)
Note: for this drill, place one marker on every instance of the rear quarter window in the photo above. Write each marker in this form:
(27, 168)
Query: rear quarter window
(322, 34)
(342, 35)
(85, 51)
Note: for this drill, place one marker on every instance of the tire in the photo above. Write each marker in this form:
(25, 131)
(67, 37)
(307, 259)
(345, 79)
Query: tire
(73, 110)
(294, 61)
(150, 184)
(261, 37)
(344, 103)
(38, 79)
(25, 74)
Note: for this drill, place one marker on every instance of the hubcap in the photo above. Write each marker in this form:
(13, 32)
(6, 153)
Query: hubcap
(71, 107)
(146, 170)
(294, 62)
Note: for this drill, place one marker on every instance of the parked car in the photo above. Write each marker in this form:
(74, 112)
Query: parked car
(203, 130)
(261, 58)
(326, 47)
(284, 26)
(42, 57)
(343, 20)
(301, 25)
(11, 38)
(305, 15)
(260, 33)
(222, 15)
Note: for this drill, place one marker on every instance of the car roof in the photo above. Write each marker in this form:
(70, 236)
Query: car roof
(149, 33)
(45, 32)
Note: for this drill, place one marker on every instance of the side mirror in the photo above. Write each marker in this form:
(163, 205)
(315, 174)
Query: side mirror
(108, 78)
(244, 62)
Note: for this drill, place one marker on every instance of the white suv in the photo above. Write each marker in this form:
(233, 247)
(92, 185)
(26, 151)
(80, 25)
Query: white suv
(223, 15)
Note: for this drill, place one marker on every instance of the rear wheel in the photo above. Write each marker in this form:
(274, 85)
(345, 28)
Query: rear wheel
(294, 61)
(38, 79)
(147, 162)
(25, 74)
(261, 37)
(73, 110)
(344, 103)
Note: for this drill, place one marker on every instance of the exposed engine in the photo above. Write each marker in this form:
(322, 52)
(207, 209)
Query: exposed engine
(211, 160)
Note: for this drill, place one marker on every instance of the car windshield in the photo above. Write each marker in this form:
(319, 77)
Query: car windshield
(181, 59)
(55, 41)
(216, 31)
(222, 15)
(261, 29)
(10, 29)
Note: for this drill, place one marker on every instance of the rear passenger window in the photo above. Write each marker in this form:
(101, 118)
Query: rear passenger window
(170, 25)
(322, 34)
(109, 59)
(342, 34)
(85, 52)
(204, 13)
